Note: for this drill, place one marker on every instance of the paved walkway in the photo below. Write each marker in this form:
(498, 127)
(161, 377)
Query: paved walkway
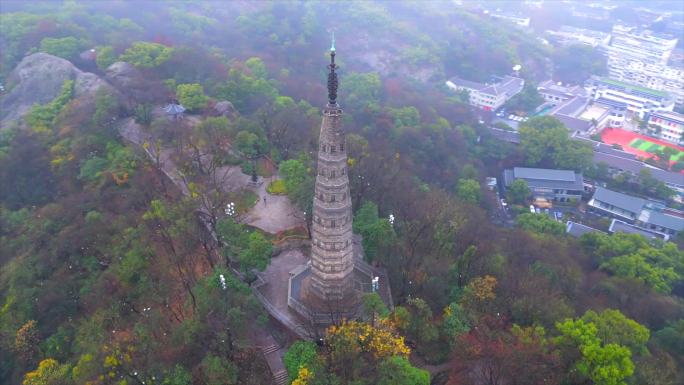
(274, 214)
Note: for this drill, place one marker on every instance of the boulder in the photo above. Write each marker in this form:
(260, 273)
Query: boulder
(133, 84)
(226, 108)
(38, 78)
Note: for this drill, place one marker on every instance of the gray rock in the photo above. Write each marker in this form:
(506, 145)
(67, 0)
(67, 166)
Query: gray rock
(38, 78)
(133, 84)
(226, 108)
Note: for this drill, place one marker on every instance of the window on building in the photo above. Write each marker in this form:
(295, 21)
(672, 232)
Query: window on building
(332, 197)
(332, 149)
(332, 223)
(341, 146)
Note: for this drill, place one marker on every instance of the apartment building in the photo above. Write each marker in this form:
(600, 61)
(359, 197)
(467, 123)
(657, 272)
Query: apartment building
(638, 100)
(670, 126)
(488, 97)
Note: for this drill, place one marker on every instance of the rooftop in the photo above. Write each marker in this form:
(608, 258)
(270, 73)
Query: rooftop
(661, 219)
(544, 173)
(508, 85)
(574, 124)
(620, 200)
(629, 86)
(578, 229)
(623, 227)
(671, 116)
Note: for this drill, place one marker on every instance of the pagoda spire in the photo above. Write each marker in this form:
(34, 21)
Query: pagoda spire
(332, 76)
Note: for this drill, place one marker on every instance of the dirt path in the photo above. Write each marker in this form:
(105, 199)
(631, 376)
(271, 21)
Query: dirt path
(274, 213)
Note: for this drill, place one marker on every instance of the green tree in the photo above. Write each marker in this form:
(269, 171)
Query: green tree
(373, 306)
(106, 108)
(575, 63)
(544, 140)
(540, 223)
(604, 364)
(614, 328)
(247, 143)
(146, 55)
(518, 191)
(178, 376)
(191, 96)
(104, 57)
(257, 252)
(398, 370)
(65, 47)
(455, 322)
(378, 234)
(361, 90)
(526, 100)
(143, 114)
(468, 190)
(219, 371)
(301, 354)
(257, 67)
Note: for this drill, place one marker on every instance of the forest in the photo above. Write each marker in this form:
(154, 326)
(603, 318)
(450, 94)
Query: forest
(109, 270)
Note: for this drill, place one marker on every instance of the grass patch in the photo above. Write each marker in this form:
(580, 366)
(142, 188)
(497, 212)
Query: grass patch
(277, 187)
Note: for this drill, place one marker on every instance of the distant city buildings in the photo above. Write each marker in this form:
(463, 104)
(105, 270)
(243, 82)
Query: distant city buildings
(519, 20)
(640, 44)
(486, 96)
(571, 105)
(549, 184)
(567, 35)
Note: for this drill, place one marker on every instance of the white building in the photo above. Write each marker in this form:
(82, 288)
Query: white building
(643, 45)
(671, 125)
(518, 20)
(639, 100)
(567, 35)
(656, 76)
(488, 97)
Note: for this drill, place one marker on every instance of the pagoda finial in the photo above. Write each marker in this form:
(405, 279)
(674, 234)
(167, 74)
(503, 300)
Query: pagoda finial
(332, 76)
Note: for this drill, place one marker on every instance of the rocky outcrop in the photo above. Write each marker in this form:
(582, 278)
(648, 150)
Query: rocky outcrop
(134, 85)
(225, 108)
(38, 78)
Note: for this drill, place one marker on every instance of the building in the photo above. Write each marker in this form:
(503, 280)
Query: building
(641, 44)
(577, 229)
(668, 126)
(644, 214)
(617, 163)
(488, 97)
(552, 185)
(557, 93)
(174, 110)
(655, 76)
(618, 226)
(329, 288)
(638, 100)
(617, 205)
(567, 35)
(517, 19)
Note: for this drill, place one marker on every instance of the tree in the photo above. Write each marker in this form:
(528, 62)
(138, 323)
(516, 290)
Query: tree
(544, 140)
(398, 370)
(518, 191)
(377, 233)
(604, 364)
(191, 96)
(361, 90)
(455, 322)
(104, 57)
(219, 371)
(526, 100)
(257, 252)
(373, 306)
(540, 223)
(26, 341)
(301, 354)
(49, 372)
(468, 190)
(613, 327)
(143, 114)
(247, 143)
(146, 55)
(65, 47)
(575, 63)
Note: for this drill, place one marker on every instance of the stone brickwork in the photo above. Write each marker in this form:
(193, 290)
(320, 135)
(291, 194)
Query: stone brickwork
(332, 257)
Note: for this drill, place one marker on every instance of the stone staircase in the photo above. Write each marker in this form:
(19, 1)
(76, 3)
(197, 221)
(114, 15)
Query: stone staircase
(280, 378)
(270, 349)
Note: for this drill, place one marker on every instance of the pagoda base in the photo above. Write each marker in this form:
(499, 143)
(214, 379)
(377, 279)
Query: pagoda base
(319, 312)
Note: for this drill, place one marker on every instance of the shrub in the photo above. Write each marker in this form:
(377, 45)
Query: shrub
(277, 187)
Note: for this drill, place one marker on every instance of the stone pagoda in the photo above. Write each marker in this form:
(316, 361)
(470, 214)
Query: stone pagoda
(329, 288)
(332, 257)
